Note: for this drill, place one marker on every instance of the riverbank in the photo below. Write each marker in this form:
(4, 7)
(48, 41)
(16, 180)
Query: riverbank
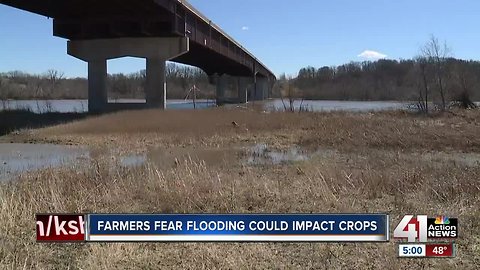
(226, 161)
(23, 119)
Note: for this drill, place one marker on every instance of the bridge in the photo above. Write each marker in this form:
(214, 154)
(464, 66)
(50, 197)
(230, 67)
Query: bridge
(159, 31)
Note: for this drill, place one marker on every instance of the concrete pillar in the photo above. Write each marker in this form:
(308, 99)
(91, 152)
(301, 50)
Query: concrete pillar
(156, 85)
(212, 79)
(222, 84)
(253, 89)
(270, 85)
(156, 50)
(97, 86)
(261, 88)
(242, 88)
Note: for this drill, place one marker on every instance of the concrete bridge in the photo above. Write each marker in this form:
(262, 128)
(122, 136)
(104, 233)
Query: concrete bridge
(157, 30)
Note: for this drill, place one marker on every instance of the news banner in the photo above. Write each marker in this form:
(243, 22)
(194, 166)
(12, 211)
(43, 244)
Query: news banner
(416, 236)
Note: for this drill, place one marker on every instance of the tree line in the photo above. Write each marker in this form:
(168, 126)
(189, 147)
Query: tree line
(432, 78)
(54, 85)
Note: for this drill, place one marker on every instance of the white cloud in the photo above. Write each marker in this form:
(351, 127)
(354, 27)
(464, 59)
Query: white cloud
(245, 28)
(372, 55)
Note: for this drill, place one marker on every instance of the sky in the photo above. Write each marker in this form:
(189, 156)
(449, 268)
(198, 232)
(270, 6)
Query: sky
(285, 35)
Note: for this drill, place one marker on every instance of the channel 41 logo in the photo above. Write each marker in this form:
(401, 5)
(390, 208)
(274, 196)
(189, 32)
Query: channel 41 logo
(422, 228)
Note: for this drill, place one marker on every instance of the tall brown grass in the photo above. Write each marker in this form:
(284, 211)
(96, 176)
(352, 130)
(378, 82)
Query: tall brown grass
(376, 163)
(349, 131)
(325, 185)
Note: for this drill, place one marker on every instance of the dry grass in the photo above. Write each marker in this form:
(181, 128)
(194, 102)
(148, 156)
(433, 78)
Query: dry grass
(375, 172)
(347, 131)
(323, 186)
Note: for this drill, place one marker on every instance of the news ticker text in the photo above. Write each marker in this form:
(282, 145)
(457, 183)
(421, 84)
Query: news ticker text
(418, 236)
(213, 228)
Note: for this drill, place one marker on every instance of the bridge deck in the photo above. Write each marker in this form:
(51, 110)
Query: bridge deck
(212, 49)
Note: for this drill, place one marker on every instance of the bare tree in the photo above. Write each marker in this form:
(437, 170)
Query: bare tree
(437, 55)
(54, 78)
(423, 84)
(37, 84)
(184, 75)
(120, 84)
(3, 93)
(289, 91)
(466, 81)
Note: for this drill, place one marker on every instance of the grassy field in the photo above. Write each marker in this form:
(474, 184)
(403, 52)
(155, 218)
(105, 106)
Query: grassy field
(397, 163)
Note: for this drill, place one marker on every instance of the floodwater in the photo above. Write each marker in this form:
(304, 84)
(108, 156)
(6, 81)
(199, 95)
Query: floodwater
(64, 106)
(164, 158)
(81, 106)
(259, 154)
(18, 158)
(332, 105)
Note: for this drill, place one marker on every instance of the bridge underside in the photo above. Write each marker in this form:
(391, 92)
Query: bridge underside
(129, 28)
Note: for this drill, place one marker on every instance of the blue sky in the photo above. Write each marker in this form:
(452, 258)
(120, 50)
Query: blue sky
(284, 34)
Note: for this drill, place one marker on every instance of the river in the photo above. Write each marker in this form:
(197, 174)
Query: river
(66, 106)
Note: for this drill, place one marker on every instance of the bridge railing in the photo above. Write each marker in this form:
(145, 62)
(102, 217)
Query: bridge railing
(202, 31)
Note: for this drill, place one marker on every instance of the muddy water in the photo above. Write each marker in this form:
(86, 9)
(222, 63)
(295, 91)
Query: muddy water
(19, 158)
(259, 154)
(458, 159)
(168, 158)
(263, 154)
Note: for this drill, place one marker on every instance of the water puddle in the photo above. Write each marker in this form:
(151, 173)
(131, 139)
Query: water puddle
(18, 158)
(261, 154)
(166, 158)
(133, 160)
(458, 159)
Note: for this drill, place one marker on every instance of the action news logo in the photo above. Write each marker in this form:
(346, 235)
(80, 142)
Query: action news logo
(60, 228)
(423, 228)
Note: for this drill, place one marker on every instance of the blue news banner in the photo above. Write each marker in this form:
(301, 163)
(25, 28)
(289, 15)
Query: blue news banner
(238, 228)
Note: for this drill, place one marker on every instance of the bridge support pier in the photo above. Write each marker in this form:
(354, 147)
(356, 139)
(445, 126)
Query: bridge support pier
(261, 89)
(222, 84)
(243, 84)
(156, 50)
(156, 85)
(97, 85)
